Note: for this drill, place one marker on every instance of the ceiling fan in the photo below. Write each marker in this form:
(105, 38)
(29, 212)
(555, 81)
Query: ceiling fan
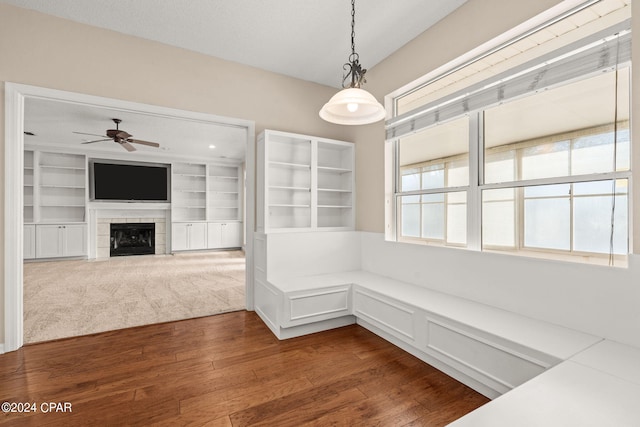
(119, 136)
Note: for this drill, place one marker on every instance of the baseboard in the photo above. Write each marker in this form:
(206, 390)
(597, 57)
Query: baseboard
(312, 328)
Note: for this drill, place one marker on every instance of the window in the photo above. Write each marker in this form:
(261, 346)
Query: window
(525, 150)
(433, 182)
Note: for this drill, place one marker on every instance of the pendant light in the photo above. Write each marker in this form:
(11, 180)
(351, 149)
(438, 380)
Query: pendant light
(353, 105)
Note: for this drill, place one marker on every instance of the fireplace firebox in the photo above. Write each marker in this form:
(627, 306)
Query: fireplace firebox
(133, 239)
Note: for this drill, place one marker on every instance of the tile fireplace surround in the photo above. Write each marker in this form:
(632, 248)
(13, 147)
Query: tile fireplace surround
(103, 233)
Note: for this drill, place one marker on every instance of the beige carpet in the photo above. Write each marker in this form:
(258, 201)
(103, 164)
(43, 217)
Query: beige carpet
(80, 297)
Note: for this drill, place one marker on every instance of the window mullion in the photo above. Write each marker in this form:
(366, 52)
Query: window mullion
(474, 196)
(519, 220)
(571, 217)
(518, 204)
(421, 204)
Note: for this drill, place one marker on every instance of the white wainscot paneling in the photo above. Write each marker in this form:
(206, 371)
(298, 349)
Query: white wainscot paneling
(390, 315)
(267, 306)
(316, 305)
(500, 367)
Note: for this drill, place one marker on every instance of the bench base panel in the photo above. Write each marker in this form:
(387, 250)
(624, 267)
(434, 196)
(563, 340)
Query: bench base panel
(454, 373)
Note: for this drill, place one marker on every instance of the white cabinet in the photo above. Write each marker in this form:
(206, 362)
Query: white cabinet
(60, 240)
(232, 235)
(224, 235)
(308, 183)
(188, 236)
(29, 241)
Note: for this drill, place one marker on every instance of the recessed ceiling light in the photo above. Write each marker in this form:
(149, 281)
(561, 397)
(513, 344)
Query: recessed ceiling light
(212, 146)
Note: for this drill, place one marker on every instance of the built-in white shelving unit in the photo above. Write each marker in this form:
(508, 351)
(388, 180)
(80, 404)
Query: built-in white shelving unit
(62, 187)
(55, 204)
(308, 183)
(206, 206)
(28, 188)
(335, 184)
(224, 193)
(189, 192)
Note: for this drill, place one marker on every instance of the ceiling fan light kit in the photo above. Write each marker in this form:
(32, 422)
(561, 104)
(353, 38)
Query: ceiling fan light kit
(119, 136)
(353, 105)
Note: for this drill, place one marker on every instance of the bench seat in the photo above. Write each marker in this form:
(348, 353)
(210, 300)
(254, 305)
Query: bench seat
(489, 349)
(598, 387)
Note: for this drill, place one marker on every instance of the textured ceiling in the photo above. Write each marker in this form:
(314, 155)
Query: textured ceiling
(54, 124)
(307, 39)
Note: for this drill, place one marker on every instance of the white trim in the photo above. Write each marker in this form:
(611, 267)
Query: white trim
(15, 95)
(474, 194)
(547, 15)
(577, 61)
(13, 224)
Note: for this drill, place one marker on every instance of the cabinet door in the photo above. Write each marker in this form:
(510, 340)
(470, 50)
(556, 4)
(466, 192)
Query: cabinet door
(48, 241)
(232, 235)
(214, 235)
(74, 240)
(198, 235)
(180, 236)
(29, 241)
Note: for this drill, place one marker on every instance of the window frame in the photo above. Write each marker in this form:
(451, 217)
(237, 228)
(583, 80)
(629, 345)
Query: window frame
(444, 190)
(474, 192)
(477, 185)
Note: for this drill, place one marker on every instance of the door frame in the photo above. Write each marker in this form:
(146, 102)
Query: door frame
(15, 95)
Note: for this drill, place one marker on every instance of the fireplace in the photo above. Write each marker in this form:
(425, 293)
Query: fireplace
(133, 238)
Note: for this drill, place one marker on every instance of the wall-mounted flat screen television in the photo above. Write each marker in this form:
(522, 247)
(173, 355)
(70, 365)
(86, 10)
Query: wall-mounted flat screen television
(129, 181)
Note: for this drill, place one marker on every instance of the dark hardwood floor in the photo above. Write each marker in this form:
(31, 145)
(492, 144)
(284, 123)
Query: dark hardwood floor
(227, 370)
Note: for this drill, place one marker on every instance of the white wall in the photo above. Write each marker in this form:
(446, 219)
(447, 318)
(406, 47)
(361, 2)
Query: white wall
(302, 254)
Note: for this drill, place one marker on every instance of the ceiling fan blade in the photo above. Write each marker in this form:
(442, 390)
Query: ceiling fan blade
(97, 140)
(123, 135)
(127, 146)
(92, 134)
(138, 141)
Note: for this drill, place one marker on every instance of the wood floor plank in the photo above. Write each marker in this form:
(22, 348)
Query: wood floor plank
(229, 370)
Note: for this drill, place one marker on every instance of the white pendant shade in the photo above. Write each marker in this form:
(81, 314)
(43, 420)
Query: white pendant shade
(352, 106)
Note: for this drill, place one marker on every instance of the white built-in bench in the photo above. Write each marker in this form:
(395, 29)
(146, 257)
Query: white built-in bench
(538, 373)
(489, 349)
(597, 387)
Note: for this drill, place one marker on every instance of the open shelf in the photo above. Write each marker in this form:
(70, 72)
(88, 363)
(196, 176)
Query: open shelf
(224, 193)
(308, 182)
(55, 186)
(189, 191)
(290, 216)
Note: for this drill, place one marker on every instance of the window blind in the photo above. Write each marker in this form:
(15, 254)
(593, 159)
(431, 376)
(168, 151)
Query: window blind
(596, 53)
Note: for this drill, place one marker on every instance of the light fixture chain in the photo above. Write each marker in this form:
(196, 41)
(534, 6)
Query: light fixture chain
(353, 68)
(353, 105)
(353, 27)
